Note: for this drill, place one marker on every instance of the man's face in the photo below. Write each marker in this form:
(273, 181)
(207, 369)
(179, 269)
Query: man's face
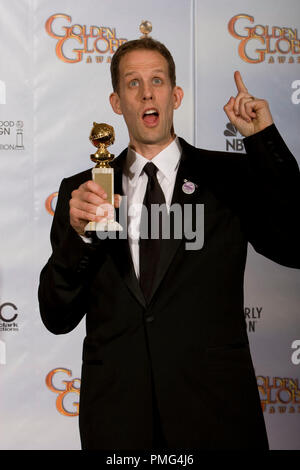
(146, 98)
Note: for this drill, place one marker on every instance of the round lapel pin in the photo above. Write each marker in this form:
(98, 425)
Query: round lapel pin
(188, 187)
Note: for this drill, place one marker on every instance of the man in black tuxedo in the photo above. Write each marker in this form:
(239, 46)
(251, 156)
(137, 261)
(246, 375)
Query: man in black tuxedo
(166, 359)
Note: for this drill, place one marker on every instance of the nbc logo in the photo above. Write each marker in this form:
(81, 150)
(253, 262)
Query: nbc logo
(233, 144)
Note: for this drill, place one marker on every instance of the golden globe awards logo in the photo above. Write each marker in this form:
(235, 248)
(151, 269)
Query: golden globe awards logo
(81, 43)
(50, 203)
(259, 43)
(279, 395)
(66, 391)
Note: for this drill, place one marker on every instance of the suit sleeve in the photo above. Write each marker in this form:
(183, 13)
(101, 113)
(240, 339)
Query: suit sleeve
(65, 279)
(272, 195)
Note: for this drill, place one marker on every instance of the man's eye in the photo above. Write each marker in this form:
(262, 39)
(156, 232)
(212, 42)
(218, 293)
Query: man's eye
(157, 81)
(134, 83)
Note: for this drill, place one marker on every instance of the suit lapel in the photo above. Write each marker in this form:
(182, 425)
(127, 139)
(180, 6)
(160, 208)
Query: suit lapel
(120, 251)
(186, 172)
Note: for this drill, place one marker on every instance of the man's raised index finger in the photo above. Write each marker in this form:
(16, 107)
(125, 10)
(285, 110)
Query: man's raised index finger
(239, 82)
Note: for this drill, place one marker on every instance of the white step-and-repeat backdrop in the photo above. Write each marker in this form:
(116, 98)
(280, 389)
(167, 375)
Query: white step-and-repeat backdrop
(54, 82)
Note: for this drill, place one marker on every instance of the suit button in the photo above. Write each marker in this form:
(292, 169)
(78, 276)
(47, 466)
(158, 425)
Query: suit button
(150, 319)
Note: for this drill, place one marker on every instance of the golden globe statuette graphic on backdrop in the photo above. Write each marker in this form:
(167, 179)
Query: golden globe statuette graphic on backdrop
(145, 28)
(102, 136)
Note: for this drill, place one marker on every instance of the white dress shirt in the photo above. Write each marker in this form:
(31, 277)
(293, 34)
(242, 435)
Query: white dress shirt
(134, 185)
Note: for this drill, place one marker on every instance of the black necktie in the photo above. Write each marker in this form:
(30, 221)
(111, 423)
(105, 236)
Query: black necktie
(150, 247)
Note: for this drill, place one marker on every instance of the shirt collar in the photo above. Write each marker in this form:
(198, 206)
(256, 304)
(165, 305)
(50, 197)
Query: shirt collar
(166, 161)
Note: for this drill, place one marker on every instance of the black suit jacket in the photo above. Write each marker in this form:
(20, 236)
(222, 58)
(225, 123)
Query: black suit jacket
(193, 333)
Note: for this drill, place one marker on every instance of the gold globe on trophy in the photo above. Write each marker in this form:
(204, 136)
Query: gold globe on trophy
(145, 28)
(102, 136)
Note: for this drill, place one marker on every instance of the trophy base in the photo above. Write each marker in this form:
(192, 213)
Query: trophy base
(107, 226)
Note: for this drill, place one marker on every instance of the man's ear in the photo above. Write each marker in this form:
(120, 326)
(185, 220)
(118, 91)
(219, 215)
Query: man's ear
(115, 103)
(178, 96)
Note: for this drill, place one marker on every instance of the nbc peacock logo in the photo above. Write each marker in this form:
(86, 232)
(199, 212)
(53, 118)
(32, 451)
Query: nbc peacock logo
(234, 142)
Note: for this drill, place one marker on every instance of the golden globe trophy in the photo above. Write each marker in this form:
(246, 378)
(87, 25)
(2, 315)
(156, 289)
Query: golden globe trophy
(102, 136)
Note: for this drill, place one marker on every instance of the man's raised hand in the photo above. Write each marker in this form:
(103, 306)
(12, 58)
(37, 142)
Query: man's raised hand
(248, 114)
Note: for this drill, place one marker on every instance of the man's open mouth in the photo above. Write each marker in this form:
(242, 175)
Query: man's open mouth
(150, 117)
